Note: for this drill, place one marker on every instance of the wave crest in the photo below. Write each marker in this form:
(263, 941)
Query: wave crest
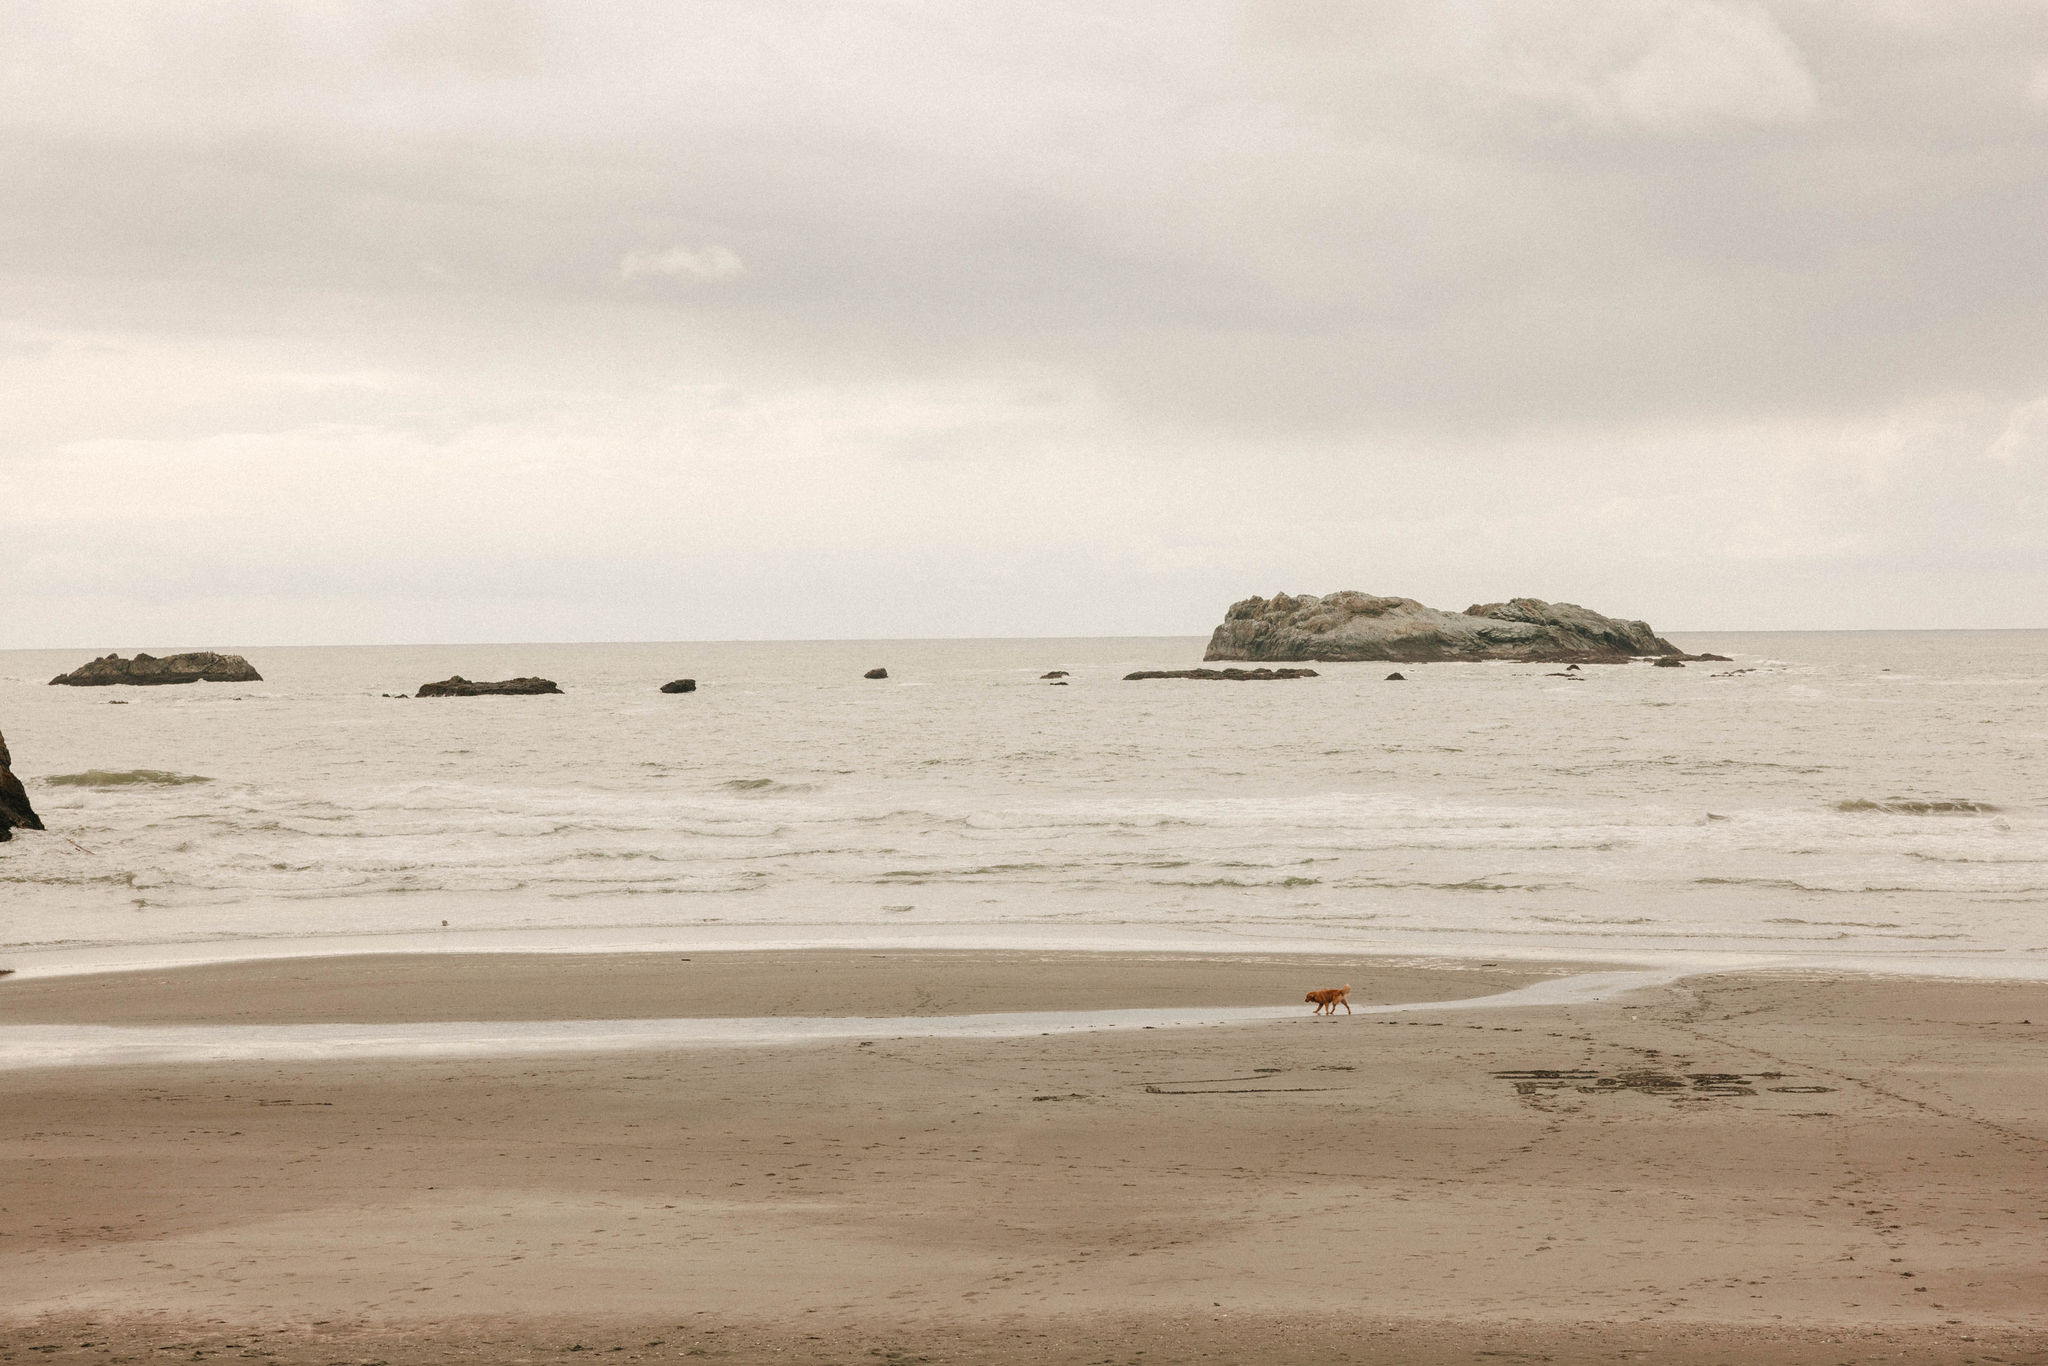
(125, 777)
(763, 787)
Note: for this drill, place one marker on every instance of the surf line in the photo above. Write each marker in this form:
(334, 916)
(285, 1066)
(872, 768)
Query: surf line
(32, 1046)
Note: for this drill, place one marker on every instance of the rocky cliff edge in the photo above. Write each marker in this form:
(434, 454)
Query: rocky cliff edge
(14, 808)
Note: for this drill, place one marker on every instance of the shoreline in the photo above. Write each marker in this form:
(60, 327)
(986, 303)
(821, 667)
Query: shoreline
(757, 984)
(477, 1007)
(30, 962)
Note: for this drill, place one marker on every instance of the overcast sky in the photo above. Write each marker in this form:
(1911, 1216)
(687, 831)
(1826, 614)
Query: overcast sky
(482, 320)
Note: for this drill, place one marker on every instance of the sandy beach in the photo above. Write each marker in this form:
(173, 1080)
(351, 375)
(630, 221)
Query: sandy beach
(1743, 1168)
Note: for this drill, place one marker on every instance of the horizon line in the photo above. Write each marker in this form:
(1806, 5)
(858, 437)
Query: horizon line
(912, 640)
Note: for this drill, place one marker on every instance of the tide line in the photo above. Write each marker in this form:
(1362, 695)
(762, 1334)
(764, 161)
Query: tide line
(32, 1046)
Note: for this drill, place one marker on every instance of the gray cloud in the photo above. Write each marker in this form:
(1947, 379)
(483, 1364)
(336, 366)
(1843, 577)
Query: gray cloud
(1102, 313)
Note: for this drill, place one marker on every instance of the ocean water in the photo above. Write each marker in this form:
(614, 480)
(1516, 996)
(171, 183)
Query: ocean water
(1845, 798)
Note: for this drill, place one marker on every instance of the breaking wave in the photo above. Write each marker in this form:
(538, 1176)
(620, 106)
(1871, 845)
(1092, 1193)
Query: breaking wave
(763, 787)
(1481, 810)
(125, 777)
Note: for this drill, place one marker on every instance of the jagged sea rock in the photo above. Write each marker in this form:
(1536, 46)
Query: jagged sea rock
(14, 808)
(876, 673)
(1228, 675)
(1359, 626)
(458, 686)
(202, 666)
(680, 685)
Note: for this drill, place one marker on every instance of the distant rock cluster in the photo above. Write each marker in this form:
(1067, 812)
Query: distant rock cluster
(146, 670)
(458, 686)
(1223, 675)
(1359, 626)
(15, 812)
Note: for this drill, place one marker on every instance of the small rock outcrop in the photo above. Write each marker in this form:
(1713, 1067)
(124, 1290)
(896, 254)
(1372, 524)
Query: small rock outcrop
(1056, 673)
(1668, 663)
(458, 686)
(201, 667)
(876, 673)
(1396, 677)
(14, 808)
(1359, 626)
(1229, 675)
(680, 685)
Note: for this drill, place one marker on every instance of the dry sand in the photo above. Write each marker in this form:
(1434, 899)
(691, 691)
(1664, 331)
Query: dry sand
(1757, 1168)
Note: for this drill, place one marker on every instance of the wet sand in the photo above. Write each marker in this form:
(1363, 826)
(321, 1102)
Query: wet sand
(392, 988)
(1757, 1168)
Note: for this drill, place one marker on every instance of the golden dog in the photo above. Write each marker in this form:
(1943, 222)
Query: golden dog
(1329, 998)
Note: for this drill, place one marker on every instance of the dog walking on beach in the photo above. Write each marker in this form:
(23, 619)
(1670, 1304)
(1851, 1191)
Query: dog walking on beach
(1329, 998)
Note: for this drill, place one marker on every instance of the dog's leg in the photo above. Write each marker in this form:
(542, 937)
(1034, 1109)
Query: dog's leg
(1347, 1005)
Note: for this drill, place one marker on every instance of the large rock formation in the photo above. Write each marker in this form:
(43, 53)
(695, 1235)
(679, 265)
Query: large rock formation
(1355, 625)
(14, 807)
(458, 686)
(201, 667)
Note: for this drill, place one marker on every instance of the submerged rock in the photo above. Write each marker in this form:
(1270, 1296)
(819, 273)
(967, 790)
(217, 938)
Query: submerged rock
(14, 807)
(1357, 626)
(876, 673)
(1056, 673)
(680, 685)
(1230, 675)
(458, 686)
(202, 666)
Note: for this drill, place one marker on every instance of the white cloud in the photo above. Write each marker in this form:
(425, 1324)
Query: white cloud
(2025, 437)
(684, 263)
(1678, 65)
(1717, 63)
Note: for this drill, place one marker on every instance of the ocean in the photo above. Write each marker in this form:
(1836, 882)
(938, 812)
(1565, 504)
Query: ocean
(1829, 799)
